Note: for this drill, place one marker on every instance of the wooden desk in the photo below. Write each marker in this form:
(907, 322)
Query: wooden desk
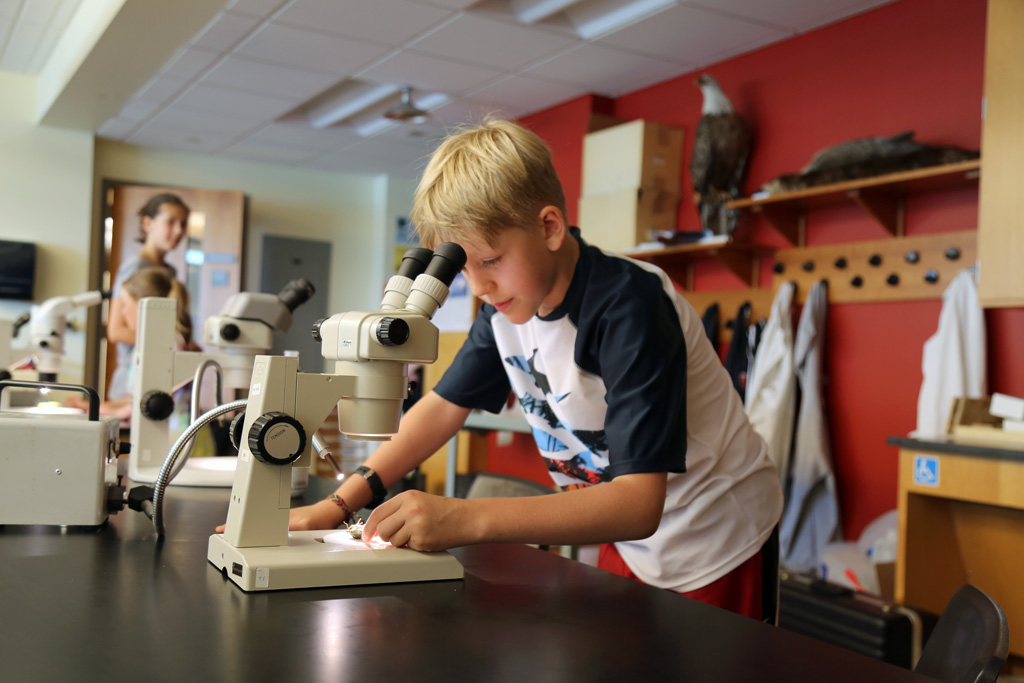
(966, 526)
(114, 604)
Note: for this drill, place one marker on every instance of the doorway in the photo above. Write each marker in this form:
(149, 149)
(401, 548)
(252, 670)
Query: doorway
(286, 259)
(208, 260)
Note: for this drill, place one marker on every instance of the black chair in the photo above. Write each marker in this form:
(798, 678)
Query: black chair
(970, 641)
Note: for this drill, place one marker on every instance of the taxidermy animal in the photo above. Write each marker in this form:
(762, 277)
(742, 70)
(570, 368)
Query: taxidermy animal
(721, 148)
(866, 157)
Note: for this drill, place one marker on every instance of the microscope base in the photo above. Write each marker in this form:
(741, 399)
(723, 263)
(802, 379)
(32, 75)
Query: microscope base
(308, 562)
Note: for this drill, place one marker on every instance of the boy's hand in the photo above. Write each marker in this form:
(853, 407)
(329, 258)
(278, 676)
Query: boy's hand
(421, 521)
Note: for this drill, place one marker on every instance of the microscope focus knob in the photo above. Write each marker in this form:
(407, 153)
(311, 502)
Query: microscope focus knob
(157, 405)
(230, 332)
(235, 430)
(316, 330)
(392, 332)
(277, 439)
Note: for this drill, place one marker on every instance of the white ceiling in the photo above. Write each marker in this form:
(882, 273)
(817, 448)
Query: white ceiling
(247, 84)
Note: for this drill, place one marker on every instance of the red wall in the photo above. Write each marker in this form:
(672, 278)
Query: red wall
(912, 65)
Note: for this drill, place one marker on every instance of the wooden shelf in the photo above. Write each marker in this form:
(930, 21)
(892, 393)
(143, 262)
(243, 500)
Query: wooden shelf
(881, 196)
(740, 259)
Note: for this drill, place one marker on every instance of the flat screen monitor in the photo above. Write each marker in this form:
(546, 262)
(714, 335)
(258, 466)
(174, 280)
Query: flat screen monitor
(17, 270)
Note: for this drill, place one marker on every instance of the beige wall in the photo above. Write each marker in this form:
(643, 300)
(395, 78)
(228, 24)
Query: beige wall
(46, 198)
(343, 209)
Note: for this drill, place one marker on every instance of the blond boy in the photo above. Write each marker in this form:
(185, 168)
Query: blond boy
(631, 409)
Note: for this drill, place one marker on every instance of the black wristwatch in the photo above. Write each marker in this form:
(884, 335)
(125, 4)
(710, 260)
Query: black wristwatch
(376, 485)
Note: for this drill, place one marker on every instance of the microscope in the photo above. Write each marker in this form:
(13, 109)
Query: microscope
(371, 351)
(243, 329)
(48, 322)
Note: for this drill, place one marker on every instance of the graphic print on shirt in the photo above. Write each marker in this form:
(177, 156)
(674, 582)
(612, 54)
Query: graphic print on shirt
(583, 461)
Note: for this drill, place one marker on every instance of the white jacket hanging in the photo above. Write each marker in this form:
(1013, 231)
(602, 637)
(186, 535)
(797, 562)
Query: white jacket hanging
(771, 382)
(953, 360)
(810, 520)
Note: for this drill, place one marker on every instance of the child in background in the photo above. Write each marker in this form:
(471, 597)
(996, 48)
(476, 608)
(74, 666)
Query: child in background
(147, 282)
(163, 224)
(630, 406)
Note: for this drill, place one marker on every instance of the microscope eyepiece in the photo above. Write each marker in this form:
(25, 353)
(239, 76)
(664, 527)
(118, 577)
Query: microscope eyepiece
(296, 293)
(414, 262)
(448, 260)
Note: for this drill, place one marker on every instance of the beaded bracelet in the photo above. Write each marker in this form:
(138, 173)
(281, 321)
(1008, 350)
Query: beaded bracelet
(340, 502)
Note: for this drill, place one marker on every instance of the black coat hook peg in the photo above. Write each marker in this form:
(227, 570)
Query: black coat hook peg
(857, 281)
(779, 268)
(840, 263)
(808, 266)
(953, 253)
(912, 256)
(931, 277)
(875, 260)
(893, 280)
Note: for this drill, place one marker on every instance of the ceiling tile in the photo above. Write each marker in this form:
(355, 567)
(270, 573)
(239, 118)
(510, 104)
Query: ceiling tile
(160, 89)
(423, 136)
(21, 45)
(234, 102)
(38, 11)
(152, 135)
(256, 8)
(225, 31)
(137, 110)
(196, 121)
(307, 49)
(255, 150)
(252, 76)
(299, 135)
(524, 95)
(361, 19)
(428, 73)
(606, 71)
(189, 63)
(117, 128)
(492, 43)
(687, 35)
(449, 4)
(375, 156)
(792, 14)
(9, 9)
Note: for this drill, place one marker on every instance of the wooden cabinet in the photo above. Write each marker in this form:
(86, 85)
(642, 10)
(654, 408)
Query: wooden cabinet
(1001, 212)
(961, 520)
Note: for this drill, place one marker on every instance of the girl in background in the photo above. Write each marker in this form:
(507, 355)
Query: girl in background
(163, 222)
(147, 282)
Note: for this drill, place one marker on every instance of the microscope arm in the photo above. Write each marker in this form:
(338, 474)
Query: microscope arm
(287, 407)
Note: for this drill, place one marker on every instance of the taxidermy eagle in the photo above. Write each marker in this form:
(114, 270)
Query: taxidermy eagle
(720, 151)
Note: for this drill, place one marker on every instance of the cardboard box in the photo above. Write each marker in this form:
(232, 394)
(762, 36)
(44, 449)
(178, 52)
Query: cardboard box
(619, 220)
(631, 155)
(971, 421)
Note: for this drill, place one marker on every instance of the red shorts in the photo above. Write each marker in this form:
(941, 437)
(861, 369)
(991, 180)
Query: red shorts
(738, 591)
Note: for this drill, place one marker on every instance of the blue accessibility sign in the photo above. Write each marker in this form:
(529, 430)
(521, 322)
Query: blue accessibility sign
(926, 470)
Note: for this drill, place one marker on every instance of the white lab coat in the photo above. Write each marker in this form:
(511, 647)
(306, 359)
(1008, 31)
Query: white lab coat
(810, 520)
(771, 382)
(953, 360)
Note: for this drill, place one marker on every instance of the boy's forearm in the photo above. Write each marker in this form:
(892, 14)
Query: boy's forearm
(425, 428)
(627, 508)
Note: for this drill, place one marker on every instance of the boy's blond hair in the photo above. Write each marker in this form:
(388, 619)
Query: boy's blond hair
(483, 179)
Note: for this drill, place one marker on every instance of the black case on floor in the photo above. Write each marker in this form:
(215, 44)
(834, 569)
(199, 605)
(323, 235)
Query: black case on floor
(863, 623)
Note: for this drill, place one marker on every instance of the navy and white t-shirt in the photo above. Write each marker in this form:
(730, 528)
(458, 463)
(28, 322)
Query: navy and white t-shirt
(621, 379)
